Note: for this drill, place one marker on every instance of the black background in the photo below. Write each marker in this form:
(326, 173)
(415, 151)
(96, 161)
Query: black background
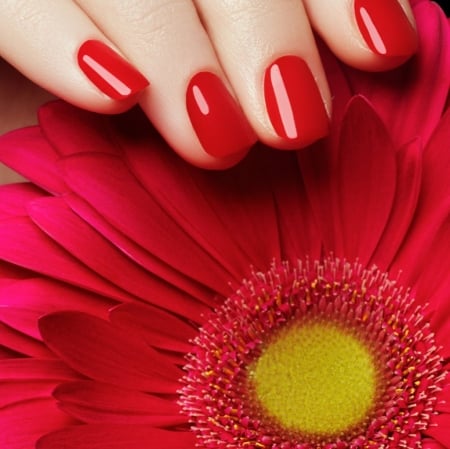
(445, 5)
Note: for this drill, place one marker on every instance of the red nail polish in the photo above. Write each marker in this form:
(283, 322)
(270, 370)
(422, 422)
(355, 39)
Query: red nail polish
(293, 101)
(113, 75)
(216, 117)
(385, 27)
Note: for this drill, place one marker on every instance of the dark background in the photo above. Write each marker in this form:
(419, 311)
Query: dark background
(445, 5)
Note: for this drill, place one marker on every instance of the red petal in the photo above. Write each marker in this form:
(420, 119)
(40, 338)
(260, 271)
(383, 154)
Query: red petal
(22, 344)
(366, 180)
(24, 302)
(13, 392)
(54, 217)
(93, 402)
(409, 177)
(159, 328)
(71, 130)
(105, 436)
(439, 428)
(175, 280)
(15, 197)
(21, 425)
(105, 353)
(35, 369)
(228, 214)
(107, 185)
(28, 153)
(433, 206)
(23, 244)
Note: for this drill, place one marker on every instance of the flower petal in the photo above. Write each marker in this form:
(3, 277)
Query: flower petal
(14, 392)
(71, 130)
(93, 402)
(15, 197)
(23, 244)
(21, 425)
(35, 369)
(27, 152)
(409, 177)
(105, 436)
(366, 180)
(176, 281)
(439, 429)
(158, 328)
(211, 206)
(107, 185)
(105, 353)
(23, 302)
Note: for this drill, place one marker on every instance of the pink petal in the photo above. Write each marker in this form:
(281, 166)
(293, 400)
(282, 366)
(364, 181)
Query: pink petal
(159, 328)
(13, 392)
(105, 436)
(15, 197)
(409, 177)
(293, 209)
(433, 205)
(439, 429)
(366, 180)
(92, 402)
(54, 217)
(23, 244)
(28, 153)
(71, 130)
(21, 425)
(108, 354)
(108, 186)
(176, 283)
(24, 302)
(207, 207)
(432, 444)
(22, 344)
(434, 277)
(26, 369)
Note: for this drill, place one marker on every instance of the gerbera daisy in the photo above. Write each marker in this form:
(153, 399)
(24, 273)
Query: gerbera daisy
(297, 301)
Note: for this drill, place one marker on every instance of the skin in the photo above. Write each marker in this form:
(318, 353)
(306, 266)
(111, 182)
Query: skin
(40, 41)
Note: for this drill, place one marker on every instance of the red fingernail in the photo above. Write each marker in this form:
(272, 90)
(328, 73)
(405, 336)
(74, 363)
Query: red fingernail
(385, 27)
(217, 119)
(113, 75)
(293, 101)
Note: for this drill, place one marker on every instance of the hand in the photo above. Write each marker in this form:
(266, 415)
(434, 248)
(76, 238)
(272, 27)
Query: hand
(212, 75)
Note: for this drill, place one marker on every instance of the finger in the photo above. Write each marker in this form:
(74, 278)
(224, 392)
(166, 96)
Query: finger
(367, 34)
(269, 54)
(190, 102)
(57, 46)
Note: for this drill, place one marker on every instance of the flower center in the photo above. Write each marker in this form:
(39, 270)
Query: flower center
(316, 355)
(315, 378)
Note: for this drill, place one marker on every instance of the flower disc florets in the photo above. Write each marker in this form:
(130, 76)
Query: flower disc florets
(313, 355)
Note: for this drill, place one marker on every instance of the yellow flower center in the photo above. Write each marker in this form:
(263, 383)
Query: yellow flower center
(316, 379)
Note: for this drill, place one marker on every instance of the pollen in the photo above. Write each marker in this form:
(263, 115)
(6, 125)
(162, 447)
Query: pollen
(315, 379)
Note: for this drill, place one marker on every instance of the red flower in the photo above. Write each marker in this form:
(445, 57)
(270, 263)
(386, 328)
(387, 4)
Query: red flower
(125, 320)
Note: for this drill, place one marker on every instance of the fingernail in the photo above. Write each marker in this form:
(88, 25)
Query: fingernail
(216, 117)
(385, 27)
(293, 101)
(112, 74)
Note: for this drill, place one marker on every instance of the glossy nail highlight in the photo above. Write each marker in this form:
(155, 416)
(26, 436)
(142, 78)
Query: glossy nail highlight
(112, 74)
(293, 101)
(385, 27)
(216, 117)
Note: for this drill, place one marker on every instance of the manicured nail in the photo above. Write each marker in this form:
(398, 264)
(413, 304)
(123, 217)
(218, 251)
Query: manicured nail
(113, 75)
(385, 27)
(293, 101)
(216, 117)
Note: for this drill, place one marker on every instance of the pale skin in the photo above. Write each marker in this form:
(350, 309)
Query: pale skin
(168, 42)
